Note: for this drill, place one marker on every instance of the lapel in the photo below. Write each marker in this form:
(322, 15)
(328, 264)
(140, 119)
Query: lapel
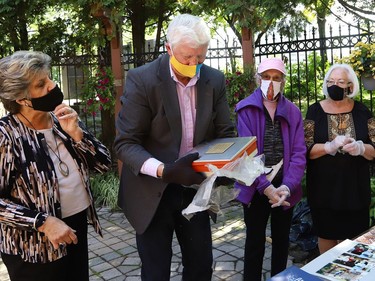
(204, 100)
(204, 106)
(168, 93)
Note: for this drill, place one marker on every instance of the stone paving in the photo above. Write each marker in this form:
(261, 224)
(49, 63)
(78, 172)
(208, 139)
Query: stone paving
(115, 256)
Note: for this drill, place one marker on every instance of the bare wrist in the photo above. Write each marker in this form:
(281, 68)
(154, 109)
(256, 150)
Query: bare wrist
(78, 135)
(159, 172)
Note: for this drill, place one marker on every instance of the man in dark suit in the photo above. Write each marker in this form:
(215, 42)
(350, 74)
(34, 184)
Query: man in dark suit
(169, 106)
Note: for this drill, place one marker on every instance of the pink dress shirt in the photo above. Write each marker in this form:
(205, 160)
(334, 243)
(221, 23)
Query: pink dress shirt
(187, 101)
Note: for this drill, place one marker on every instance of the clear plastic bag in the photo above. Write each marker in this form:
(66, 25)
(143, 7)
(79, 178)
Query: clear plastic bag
(245, 170)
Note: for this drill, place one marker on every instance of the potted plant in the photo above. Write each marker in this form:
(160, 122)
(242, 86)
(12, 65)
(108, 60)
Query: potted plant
(362, 59)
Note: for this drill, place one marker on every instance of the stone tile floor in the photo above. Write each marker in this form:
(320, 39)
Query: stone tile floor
(115, 256)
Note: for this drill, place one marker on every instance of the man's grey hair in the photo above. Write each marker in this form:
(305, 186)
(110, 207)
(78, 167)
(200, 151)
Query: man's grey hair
(188, 29)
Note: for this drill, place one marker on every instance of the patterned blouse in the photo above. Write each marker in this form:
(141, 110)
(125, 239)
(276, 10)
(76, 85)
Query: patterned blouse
(342, 181)
(29, 185)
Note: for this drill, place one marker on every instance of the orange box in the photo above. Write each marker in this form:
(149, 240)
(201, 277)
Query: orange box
(221, 151)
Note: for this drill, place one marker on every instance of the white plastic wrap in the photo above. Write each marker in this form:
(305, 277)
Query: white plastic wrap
(245, 170)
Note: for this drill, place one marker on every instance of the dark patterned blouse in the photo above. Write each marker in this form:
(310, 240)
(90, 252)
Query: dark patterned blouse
(273, 146)
(342, 181)
(29, 185)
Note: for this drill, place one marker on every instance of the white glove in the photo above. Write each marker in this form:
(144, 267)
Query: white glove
(331, 147)
(354, 148)
(278, 195)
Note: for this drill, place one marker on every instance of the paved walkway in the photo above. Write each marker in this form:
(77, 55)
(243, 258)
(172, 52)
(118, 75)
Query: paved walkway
(115, 256)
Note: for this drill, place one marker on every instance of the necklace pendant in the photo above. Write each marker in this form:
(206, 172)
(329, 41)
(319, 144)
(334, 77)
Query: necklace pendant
(63, 168)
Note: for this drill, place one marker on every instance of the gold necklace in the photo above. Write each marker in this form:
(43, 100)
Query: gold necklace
(62, 166)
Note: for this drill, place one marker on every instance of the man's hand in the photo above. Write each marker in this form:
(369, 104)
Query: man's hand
(182, 172)
(58, 232)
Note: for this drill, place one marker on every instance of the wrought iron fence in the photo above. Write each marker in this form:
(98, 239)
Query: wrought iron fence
(70, 72)
(305, 56)
(308, 57)
(223, 55)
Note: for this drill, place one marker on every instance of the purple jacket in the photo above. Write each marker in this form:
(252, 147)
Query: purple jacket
(251, 122)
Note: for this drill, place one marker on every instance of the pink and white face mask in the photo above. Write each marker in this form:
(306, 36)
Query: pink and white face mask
(270, 89)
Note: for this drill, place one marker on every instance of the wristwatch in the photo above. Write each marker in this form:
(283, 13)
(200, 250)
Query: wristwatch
(39, 220)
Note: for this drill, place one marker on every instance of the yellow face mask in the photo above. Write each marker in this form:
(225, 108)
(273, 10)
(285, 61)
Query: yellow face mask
(185, 70)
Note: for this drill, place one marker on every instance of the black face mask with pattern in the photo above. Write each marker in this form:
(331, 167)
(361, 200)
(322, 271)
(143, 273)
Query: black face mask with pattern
(337, 93)
(49, 101)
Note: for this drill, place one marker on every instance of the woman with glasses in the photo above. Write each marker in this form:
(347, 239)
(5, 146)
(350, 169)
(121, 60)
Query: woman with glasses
(340, 136)
(277, 123)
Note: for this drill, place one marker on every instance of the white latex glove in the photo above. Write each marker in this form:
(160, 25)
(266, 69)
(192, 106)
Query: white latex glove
(331, 147)
(278, 195)
(354, 148)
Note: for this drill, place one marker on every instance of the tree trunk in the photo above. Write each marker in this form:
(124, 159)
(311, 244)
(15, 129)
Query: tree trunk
(322, 35)
(159, 28)
(247, 47)
(138, 22)
(110, 55)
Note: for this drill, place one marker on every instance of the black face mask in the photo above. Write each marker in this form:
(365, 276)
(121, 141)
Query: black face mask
(337, 93)
(49, 101)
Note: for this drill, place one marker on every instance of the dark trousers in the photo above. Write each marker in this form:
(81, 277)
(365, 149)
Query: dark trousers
(194, 237)
(256, 218)
(73, 267)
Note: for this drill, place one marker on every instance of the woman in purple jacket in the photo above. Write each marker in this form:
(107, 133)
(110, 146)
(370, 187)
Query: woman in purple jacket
(277, 123)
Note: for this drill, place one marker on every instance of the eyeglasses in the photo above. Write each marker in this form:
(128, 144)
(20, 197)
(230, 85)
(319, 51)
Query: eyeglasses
(276, 78)
(341, 83)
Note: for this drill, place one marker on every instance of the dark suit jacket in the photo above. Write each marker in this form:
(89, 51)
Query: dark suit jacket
(149, 125)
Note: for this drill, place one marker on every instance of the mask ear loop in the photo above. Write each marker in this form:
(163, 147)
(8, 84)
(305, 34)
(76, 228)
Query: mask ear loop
(347, 91)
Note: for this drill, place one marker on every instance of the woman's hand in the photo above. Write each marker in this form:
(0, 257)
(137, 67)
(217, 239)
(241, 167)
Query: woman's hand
(331, 147)
(277, 196)
(58, 232)
(68, 119)
(354, 148)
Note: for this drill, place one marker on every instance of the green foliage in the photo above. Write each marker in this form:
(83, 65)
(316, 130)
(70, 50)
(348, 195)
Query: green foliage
(16, 17)
(258, 16)
(239, 85)
(98, 91)
(105, 189)
(307, 81)
(58, 27)
(362, 59)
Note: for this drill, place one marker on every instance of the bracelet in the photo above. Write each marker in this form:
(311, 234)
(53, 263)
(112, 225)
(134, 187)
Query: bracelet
(39, 220)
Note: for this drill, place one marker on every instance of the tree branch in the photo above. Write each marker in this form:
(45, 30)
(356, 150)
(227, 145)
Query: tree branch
(352, 8)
